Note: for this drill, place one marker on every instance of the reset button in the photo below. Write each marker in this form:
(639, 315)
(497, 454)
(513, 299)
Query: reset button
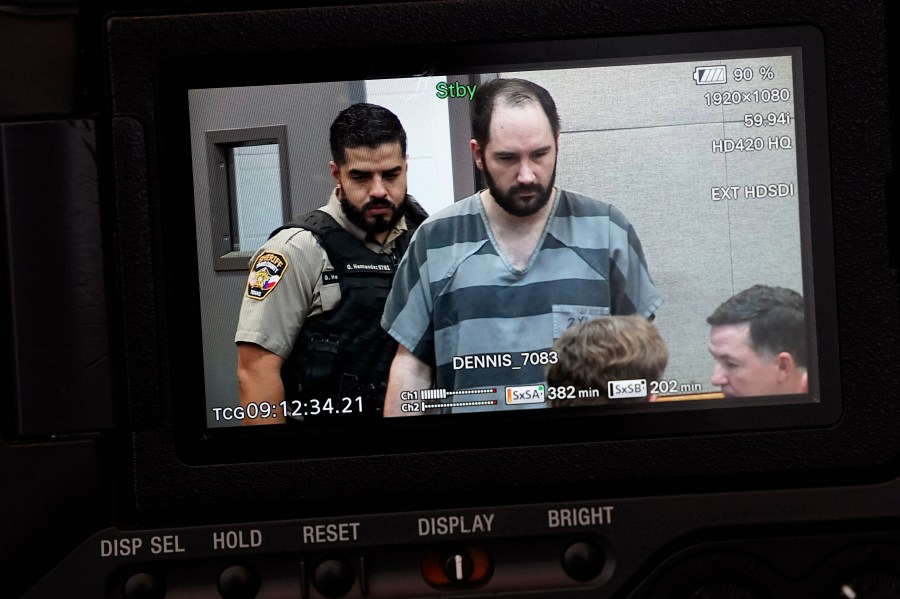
(334, 578)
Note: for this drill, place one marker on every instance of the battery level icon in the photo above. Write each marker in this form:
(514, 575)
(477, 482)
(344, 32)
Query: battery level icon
(710, 75)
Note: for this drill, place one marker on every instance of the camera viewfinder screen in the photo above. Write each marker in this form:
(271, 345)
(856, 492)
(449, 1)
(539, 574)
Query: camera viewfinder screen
(600, 234)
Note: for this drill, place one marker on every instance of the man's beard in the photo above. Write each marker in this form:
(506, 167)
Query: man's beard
(380, 222)
(515, 205)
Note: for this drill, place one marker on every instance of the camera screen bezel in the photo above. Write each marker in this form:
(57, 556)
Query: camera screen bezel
(198, 444)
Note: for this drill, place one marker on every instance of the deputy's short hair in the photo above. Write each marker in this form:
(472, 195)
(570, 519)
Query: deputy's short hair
(364, 125)
(591, 354)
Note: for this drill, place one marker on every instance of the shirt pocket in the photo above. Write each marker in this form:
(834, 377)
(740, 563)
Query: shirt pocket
(329, 292)
(568, 315)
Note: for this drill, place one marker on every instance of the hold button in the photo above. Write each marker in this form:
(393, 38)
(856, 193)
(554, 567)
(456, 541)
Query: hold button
(238, 582)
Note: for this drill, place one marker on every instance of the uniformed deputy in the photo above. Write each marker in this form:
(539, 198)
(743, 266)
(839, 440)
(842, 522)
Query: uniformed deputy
(309, 338)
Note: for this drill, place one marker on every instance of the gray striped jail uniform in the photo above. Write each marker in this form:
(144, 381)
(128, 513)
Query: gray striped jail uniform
(455, 295)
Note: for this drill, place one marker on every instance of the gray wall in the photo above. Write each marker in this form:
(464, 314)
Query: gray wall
(640, 138)
(307, 111)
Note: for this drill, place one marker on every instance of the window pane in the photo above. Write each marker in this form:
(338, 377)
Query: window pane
(257, 184)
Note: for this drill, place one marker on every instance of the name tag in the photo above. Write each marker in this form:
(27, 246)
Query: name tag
(568, 315)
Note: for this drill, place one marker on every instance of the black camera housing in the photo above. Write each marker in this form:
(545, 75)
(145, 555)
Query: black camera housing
(142, 48)
(763, 475)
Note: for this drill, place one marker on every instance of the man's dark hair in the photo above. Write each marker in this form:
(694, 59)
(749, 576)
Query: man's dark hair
(364, 125)
(511, 92)
(775, 315)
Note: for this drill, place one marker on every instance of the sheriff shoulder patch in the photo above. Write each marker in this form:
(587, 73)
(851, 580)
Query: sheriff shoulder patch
(265, 274)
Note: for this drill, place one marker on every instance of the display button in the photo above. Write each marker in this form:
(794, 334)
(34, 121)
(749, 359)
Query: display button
(583, 561)
(459, 567)
(144, 586)
(238, 582)
(468, 565)
(333, 578)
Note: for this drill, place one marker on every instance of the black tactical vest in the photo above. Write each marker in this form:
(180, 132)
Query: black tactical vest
(344, 353)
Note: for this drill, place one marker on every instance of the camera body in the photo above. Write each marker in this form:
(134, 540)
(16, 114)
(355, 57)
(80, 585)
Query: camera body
(785, 504)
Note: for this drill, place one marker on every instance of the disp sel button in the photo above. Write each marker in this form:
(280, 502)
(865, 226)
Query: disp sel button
(144, 586)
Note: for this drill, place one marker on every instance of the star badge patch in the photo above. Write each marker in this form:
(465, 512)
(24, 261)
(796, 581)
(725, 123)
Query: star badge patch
(265, 274)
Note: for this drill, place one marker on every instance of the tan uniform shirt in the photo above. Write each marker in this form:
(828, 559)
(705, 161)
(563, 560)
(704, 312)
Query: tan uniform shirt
(288, 282)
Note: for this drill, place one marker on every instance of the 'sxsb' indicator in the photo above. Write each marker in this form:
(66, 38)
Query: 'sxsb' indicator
(710, 75)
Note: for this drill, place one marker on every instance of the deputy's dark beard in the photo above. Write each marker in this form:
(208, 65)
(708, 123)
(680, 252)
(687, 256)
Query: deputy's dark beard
(381, 222)
(510, 202)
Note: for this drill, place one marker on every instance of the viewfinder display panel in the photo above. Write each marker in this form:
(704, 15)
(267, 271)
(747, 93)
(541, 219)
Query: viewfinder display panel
(711, 239)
